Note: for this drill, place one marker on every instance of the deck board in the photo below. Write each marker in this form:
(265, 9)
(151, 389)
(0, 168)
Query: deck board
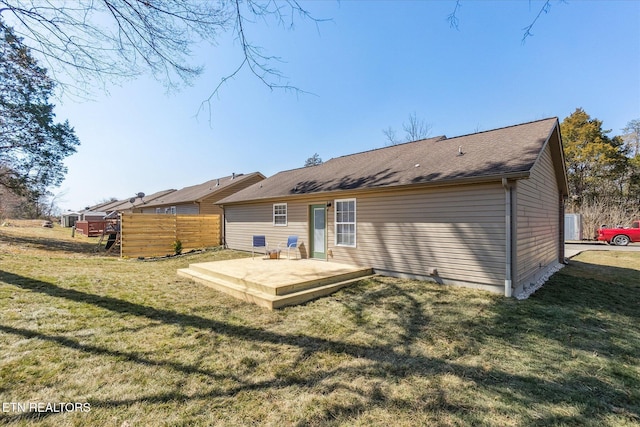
(277, 282)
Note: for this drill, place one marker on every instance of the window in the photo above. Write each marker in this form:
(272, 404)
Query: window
(346, 222)
(158, 210)
(280, 214)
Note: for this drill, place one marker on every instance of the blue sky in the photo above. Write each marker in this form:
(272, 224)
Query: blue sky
(371, 66)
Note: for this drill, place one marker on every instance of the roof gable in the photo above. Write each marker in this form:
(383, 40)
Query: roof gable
(196, 193)
(506, 152)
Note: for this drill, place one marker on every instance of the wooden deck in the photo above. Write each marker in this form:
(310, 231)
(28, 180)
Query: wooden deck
(275, 283)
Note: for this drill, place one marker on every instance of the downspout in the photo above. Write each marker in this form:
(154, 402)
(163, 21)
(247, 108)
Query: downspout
(508, 238)
(223, 228)
(326, 233)
(561, 254)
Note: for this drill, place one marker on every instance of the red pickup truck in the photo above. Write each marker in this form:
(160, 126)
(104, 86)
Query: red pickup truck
(620, 236)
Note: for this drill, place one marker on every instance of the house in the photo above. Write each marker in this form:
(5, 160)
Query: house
(92, 216)
(93, 219)
(90, 223)
(201, 198)
(129, 204)
(484, 210)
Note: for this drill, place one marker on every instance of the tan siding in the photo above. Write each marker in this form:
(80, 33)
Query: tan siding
(188, 209)
(537, 230)
(244, 221)
(208, 204)
(210, 209)
(457, 230)
(181, 209)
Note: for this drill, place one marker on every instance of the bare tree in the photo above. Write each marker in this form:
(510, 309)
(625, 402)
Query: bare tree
(414, 130)
(391, 136)
(599, 212)
(454, 21)
(314, 160)
(632, 137)
(89, 42)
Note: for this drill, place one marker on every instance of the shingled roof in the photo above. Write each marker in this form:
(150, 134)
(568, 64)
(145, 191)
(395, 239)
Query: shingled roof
(508, 152)
(195, 193)
(124, 204)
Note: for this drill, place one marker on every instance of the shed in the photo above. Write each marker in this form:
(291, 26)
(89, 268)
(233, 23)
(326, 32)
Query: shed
(484, 210)
(69, 218)
(572, 227)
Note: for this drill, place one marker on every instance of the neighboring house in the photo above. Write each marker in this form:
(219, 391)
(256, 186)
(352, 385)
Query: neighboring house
(201, 198)
(98, 207)
(130, 204)
(92, 216)
(92, 221)
(484, 210)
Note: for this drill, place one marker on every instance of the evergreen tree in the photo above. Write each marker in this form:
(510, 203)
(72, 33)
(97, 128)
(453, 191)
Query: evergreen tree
(32, 146)
(596, 164)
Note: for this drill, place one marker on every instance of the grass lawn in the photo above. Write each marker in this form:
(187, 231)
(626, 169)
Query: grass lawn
(144, 347)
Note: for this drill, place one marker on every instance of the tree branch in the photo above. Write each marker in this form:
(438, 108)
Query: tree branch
(453, 17)
(546, 7)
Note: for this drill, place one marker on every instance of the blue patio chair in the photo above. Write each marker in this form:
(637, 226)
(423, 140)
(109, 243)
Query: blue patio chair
(259, 242)
(292, 244)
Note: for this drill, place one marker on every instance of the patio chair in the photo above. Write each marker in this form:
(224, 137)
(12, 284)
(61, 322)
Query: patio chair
(259, 242)
(292, 244)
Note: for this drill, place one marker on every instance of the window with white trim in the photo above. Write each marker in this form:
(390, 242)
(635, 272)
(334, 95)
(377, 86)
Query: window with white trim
(345, 222)
(280, 214)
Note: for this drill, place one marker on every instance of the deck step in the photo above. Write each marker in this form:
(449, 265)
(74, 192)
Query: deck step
(269, 300)
(283, 289)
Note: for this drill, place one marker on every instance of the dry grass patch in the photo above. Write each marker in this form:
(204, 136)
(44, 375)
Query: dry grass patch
(29, 238)
(144, 346)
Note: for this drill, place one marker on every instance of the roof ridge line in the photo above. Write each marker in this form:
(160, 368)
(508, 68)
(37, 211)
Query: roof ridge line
(435, 138)
(505, 127)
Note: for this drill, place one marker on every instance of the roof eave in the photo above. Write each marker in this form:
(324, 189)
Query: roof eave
(441, 183)
(237, 179)
(557, 154)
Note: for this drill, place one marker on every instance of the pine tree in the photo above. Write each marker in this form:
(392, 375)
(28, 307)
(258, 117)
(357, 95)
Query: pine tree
(32, 145)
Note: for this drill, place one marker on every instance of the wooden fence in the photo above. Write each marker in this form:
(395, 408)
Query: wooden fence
(146, 235)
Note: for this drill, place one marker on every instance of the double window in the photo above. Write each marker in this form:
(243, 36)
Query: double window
(171, 210)
(280, 214)
(346, 222)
